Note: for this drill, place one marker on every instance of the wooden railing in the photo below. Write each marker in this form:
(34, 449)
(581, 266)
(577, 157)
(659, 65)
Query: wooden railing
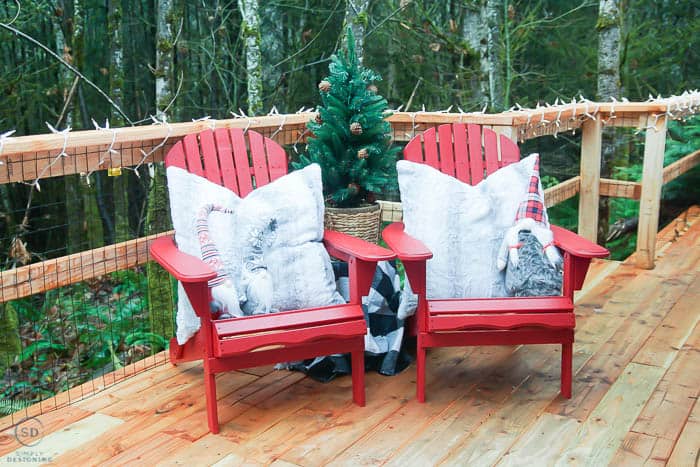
(29, 158)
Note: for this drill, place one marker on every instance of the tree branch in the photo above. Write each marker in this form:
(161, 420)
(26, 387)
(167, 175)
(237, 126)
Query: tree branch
(67, 65)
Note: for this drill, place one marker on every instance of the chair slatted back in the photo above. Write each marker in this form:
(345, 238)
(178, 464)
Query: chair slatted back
(468, 152)
(229, 157)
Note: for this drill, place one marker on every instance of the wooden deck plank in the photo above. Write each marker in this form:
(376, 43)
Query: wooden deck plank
(599, 437)
(234, 403)
(262, 416)
(207, 450)
(640, 449)
(687, 448)
(129, 387)
(669, 406)
(145, 453)
(534, 447)
(395, 392)
(50, 422)
(449, 432)
(495, 435)
(149, 422)
(444, 383)
(492, 439)
(56, 443)
(662, 347)
(640, 307)
(598, 272)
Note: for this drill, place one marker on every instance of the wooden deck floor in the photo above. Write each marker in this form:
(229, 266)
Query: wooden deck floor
(637, 364)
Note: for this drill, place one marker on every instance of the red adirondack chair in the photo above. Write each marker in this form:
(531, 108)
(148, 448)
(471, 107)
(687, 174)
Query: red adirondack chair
(457, 150)
(240, 161)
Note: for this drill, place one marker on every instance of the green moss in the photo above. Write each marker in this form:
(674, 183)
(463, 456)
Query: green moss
(361, 19)
(10, 344)
(164, 45)
(607, 21)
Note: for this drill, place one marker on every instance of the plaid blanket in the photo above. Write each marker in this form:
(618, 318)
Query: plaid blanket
(384, 339)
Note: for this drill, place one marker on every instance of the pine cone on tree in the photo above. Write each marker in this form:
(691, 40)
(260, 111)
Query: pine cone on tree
(354, 188)
(373, 89)
(324, 86)
(362, 153)
(356, 128)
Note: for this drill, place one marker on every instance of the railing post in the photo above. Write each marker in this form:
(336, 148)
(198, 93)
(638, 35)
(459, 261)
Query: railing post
(590, 179)
(652, 181)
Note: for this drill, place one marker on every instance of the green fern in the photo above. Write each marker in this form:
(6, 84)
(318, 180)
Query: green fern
(9, 406)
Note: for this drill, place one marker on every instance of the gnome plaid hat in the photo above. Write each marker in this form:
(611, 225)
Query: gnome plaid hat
(532, 206)
(531, 216)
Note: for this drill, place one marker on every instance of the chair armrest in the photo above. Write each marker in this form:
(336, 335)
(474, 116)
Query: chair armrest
(184, 267)
(406, 247)
(577, 245)
(344, 246)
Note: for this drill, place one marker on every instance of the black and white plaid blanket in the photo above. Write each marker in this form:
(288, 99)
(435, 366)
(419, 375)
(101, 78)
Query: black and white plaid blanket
(383, 342)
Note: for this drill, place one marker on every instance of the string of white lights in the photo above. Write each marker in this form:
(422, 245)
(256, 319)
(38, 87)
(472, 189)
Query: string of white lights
(145, 155)
(59, 156)
(4, 137)
(110, 150)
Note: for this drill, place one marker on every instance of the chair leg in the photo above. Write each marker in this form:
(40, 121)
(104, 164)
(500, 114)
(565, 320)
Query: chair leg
(567, 355)
(358, 377)
(420, 369)
(210, 390)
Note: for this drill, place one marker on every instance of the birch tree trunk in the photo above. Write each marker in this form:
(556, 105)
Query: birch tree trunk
(608, 49)
(164, 54)
(481, 28)
(74, 214)
(609, 35)
(160, 307)
(250, 28)
(494, 23)
(116, 89)
(475, 32)
(356, 18)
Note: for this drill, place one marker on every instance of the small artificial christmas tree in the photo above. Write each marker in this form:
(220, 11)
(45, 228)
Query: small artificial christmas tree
(351, 140)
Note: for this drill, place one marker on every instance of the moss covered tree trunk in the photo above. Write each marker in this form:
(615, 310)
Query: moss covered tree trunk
(609, 22)
(160, 306)
(116, 88)
(481, 29)
(253, 58)
(475, 33)
(494, 62)
(10, 343)
(356, 18)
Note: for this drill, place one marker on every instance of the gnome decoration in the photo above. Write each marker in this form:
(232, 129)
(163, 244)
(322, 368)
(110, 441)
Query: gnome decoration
(224, 296)
(528, 254)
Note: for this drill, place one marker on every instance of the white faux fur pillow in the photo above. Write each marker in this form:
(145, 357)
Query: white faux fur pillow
(188, 193)
(286, 215)
(462, 225)
(299, 264)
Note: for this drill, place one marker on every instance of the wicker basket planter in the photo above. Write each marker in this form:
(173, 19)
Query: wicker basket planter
(362, 222)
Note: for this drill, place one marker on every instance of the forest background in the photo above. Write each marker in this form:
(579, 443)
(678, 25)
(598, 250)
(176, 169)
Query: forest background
(183, 60)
